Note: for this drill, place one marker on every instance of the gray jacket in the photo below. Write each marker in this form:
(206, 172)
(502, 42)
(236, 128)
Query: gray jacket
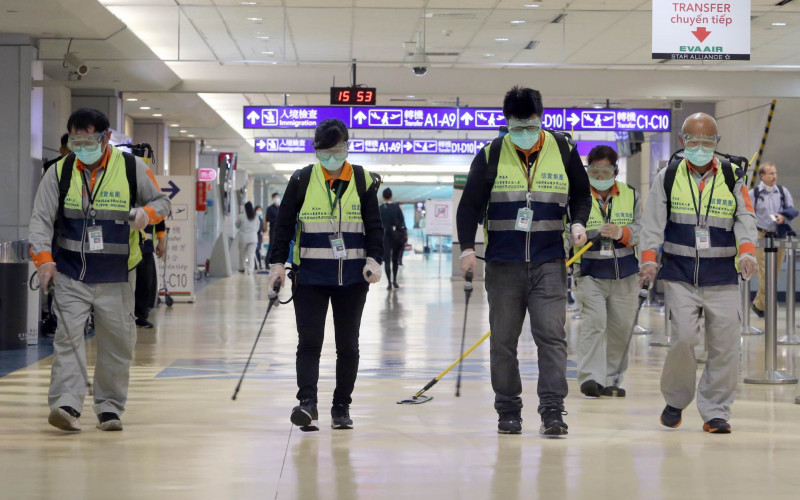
(45, 207)
(655, 217)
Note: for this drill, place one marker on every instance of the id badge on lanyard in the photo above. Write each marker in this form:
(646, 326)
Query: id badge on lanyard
(702, 238)
(606, 247)
(524, 219)
(95, 235)
(337, 246)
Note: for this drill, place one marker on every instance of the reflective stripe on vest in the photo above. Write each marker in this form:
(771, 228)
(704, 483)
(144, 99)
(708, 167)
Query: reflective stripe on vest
(682, 260)
(313, 254)
(121, 251)
(623, 262)
(550, 193)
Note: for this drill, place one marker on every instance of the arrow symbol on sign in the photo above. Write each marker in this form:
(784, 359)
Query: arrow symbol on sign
(360, 117)
(701, 33)
(173, 190)
(253, 117)
(261, 144)
(573, 119)
(407, 146)
(466, 118)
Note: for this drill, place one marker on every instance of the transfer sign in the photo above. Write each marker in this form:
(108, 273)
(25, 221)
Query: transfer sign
(701, 31)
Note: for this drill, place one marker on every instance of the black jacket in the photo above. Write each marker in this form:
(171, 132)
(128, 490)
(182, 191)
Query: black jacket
(290, 208)
(472, 208)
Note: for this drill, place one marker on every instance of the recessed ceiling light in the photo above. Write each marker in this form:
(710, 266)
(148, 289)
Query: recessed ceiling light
(779, 24)
(501, 39)
(131, 99)
(255, 19)
(157, 114)
(517, 21)
(182, 131)
(686, 67)
(144, 107)
(262, 37)
(531, 5)
(190, 135)
(248, 3)
(410, 97)
(488, 55)
(268, 53)
(174, 125)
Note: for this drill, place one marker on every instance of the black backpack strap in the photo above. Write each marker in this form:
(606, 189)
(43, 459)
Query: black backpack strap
(730, 176)
(130, 173)
(783, 197)
(564, 142)
(669, 180)
(65, 180)
(756, 196)
(304, 177)
(495, 148)
(361, 185)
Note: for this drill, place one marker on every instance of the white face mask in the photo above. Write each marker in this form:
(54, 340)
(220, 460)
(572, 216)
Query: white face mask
(276, 201)
(258, 213)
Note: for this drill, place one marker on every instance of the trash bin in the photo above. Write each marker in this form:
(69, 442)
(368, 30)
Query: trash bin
(14, 295)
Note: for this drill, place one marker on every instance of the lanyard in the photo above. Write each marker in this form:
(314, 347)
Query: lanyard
(92, 194)
(605, 209)
(530, 176)
(700, 193)
(335, 199)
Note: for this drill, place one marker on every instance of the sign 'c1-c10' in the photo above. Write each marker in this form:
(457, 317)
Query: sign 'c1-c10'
(395, 118)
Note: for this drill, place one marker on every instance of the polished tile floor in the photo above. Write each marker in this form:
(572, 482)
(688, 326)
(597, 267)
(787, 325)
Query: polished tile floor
(185, 439)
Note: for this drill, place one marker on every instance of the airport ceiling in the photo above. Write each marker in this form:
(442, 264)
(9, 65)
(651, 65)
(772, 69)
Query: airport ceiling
(196, 62)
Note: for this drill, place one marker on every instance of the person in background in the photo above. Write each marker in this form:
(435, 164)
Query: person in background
(259, 236)
(247, 226)
(607, 277)
(774, 209)
(63, 151)
(337, 254)
(395, 236)
(272, 221)
(146, 274)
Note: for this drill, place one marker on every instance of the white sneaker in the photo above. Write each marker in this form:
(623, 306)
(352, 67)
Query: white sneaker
(62, 419)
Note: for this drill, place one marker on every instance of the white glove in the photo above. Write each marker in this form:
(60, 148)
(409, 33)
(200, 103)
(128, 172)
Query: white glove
(469, 262)
(748, 266)
(138, 218)
(276, 274)
(648, 271)
(47, 275)
(612, 231)
(578, 235)
(372, 271)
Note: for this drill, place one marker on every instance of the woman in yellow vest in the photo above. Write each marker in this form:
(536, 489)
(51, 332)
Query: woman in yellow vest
(331, 208)
(607, 277)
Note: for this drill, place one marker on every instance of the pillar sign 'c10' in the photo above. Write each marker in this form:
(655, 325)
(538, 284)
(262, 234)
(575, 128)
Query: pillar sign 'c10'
(361, 96)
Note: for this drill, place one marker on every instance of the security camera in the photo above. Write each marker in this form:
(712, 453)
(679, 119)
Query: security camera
(420, 70)
(75, 64)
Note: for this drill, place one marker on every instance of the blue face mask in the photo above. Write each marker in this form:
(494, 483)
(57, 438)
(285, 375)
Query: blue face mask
(332, 164)
(699, 156)
(601, 185)
(525, 139)
(89, 154)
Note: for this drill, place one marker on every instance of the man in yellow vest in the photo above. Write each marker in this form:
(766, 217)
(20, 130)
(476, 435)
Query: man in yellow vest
(707, 228)
(522, 186)
(84, 235)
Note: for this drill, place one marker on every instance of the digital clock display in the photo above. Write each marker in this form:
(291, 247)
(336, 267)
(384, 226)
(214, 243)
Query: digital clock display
(359, 96)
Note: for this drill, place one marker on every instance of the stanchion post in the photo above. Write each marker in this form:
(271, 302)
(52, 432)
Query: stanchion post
(770, 375)
(747, 328)
(790, 338)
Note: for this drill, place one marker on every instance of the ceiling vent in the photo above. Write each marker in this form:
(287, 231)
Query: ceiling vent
(456, 15)
(532, 45)
(560, 17)
(782, 3)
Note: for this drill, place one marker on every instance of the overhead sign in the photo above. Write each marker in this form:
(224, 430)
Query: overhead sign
(714, 30)
(392, 118)
(376, 146)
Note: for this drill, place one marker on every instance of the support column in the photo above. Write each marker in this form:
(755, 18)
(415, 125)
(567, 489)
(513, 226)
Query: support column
(183, 157)
(156, 134)
(21, 140)
(105, 100)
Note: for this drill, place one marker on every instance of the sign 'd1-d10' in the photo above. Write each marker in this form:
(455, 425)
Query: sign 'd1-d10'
(701, 31)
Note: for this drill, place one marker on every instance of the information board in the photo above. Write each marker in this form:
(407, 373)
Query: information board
(181, 243)
(439, 217)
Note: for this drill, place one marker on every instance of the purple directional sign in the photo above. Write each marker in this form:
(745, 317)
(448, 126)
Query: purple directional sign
(375, 146)
(489, 119)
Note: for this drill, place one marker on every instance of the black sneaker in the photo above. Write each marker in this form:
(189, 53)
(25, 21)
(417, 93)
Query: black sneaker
(143, 323)
(717, 426)
(305, 416)
(613, 391)
(552, 423)
(108, 421)
(65, 418)
(671, 417)
(395, 285)
(591, 389)
(509, 422)
(758, 311)
(340, 417)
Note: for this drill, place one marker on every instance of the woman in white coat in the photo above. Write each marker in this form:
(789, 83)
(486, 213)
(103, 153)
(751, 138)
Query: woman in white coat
(247, 225)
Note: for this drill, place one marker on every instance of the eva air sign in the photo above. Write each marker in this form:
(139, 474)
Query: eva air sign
(701, 31)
